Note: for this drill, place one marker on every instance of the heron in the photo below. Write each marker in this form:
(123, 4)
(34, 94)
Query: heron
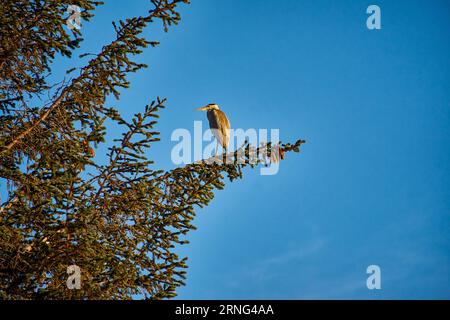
(218, 123)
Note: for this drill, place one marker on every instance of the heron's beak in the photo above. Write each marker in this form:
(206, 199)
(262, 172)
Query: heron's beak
(202, 108)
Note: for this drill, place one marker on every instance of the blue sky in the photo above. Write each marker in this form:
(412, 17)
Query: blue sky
(371, 185)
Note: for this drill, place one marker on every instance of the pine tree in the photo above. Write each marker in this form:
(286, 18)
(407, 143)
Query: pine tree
(118, 221)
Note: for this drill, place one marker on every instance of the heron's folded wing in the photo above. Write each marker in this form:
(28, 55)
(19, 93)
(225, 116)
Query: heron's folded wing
(220, 126)
(224, 128)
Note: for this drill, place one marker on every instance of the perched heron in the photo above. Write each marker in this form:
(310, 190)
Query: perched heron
(218, 123)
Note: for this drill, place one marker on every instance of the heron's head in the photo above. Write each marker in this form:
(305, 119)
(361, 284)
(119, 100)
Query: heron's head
(211, 106)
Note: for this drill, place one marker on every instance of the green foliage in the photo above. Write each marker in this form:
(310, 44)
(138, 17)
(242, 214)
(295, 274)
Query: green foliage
(118, 221)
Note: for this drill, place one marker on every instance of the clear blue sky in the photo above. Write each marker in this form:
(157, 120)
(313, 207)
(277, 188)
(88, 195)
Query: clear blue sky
(371, 185)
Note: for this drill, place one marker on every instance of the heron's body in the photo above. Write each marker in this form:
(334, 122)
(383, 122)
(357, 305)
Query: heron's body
(218, 123)
(220, 126)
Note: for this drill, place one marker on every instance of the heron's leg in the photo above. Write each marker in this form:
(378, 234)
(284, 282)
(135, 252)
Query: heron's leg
(225, 155)
(217, 149)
